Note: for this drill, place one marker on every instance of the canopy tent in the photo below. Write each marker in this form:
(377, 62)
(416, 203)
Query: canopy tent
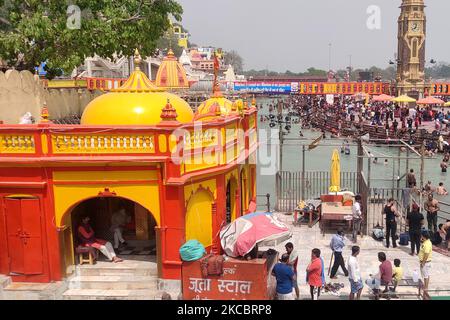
(243, 234)
(335, 172)
(430, 100)
(404, 98)
(382, 98)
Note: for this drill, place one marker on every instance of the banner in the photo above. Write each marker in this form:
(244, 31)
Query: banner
(263, 87)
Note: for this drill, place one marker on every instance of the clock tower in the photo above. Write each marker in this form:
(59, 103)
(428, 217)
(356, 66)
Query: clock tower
(411, 48)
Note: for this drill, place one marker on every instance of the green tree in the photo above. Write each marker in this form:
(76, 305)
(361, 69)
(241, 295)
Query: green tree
(169, 40)
(233, 58)
(315, 72)
(49, 30)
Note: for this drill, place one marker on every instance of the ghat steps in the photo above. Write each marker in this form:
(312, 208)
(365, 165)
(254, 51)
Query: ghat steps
(131, 279)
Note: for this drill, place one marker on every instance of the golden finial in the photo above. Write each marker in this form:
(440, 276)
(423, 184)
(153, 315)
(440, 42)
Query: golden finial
(44, 113)
(137, 60)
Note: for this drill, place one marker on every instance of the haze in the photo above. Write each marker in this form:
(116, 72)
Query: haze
(295, 34)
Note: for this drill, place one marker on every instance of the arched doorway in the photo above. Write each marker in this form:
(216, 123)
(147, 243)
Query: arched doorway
(138, 230)
(199, 217)
(231, 193)
(244, 193)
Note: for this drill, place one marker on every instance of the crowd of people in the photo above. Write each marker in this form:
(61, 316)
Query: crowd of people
(384, 283)
(397, 120)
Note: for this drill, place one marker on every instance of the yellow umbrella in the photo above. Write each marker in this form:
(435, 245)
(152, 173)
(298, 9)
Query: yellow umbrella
(335, 172)
(447, 104)
(404, 98)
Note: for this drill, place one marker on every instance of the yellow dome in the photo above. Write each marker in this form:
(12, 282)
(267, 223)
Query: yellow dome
(207, 109)
(171, 74)
(137, 102)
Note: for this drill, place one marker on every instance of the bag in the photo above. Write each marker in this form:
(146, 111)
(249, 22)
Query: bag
(192, 250)
(404, 239)
(212, 265)
(378, 234)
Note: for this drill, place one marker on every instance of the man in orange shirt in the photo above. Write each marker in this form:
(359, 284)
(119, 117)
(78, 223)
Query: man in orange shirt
(314, 274)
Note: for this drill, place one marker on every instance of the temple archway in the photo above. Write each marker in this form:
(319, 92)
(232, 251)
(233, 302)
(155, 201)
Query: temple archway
(231, 197)
(138, 230)
(244, 190)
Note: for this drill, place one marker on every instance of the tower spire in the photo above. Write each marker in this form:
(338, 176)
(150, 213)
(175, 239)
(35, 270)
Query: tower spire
(216, 84)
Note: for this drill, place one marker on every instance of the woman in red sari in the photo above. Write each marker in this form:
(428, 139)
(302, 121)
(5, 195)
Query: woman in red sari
(87, 239)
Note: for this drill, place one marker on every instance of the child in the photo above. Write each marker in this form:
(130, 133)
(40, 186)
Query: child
(397, 273)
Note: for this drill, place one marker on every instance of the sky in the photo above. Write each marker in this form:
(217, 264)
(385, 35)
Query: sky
(295, 34)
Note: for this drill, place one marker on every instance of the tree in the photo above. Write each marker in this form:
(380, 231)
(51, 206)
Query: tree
(169, 40)
(63, 36)
(236, 61)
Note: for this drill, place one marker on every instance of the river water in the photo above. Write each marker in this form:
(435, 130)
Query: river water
(319, 159)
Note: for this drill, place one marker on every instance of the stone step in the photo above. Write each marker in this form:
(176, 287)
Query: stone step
(34, 291)
(96, 294)
(115, 270)
(113, 282)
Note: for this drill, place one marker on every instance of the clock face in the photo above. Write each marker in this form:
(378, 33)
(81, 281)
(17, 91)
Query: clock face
(415, 27)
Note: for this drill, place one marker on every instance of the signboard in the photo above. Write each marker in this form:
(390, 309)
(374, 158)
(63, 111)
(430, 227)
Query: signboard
(263, 87)
(295, 87)
(241, 280)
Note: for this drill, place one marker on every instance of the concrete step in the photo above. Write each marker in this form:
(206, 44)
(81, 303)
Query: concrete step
(113, 282)
(34, 291)
(96, 294)
(117, 272)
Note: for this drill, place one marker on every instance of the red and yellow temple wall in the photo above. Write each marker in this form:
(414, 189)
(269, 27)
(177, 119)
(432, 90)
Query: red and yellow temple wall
(48, 170)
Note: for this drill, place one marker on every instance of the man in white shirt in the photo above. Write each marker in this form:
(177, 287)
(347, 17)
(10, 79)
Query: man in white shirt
(357, 217)
(118, 220)
(354, 275)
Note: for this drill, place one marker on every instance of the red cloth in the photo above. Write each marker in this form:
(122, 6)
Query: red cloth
(314, 271)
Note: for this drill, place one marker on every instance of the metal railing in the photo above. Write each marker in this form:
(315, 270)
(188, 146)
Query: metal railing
(265, 205)
(378, 198)
(292, 187)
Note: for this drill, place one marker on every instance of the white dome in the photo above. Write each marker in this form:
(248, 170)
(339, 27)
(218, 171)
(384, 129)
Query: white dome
(184, 59)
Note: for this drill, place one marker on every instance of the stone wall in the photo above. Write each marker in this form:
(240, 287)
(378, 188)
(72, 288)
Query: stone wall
(21, 92)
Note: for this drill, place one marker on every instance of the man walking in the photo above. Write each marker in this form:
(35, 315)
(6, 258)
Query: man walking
(354, 275)
(432, 207)
(425, 258)
(391, 225)
(285, 278)
(337, 245)
(314, 274)
(415, 221)
(357, 217)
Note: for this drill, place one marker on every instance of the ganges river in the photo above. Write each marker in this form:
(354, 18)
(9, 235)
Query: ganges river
(319, 159)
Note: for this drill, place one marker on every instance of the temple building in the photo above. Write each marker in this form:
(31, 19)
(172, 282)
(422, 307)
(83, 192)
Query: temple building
(179, 175)
(171, 74)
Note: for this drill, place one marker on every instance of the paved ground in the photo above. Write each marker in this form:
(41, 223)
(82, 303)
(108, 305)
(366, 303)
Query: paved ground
(305, 239)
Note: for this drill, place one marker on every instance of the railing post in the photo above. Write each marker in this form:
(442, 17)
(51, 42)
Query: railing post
(303, 173)
(268, 202)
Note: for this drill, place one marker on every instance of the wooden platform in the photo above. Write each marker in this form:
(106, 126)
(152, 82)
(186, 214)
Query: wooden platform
(334, 212)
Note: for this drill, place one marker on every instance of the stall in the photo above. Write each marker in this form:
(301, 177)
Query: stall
(240, 280)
